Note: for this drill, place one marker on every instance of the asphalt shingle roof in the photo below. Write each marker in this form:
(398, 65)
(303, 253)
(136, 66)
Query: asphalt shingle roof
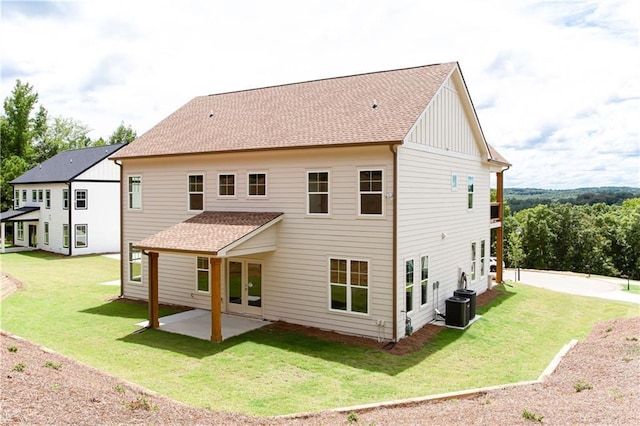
(209, 232)
(66, 165)
(316, 113)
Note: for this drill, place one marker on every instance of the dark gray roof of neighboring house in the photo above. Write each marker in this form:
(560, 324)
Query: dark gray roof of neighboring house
(67, 165)
(12, 214)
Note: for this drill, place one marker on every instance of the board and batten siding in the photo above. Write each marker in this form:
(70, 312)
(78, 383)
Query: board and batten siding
(101, 216)
(295, 275)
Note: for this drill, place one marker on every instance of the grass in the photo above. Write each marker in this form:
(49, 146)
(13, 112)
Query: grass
(64, 308)
(631, 288)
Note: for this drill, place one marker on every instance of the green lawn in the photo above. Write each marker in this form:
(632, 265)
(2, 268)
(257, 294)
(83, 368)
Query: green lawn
(270, 372)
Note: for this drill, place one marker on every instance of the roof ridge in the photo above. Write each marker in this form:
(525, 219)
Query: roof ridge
(325, 79)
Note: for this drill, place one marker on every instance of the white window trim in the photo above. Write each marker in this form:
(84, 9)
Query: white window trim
(46, 233)
(129, 262)
(483, 259)
(235, 185)
(348, 311)
(65, 191)
(34, 195)
(204, 191)
(86, 199)
(208, 275)
(86, 236)
(40, 196)
(474, 262)
(382, 193)
(65, 225)
(424, 303)
(16, 199)
(266, 184)
(328, 213)
(24, 195)
(47, 198)
(138, 175)
(413, 284)
(472, 193)
(455, 182)
(20, 231)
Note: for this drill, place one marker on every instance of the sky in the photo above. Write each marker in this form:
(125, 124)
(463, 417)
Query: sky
(555, 84)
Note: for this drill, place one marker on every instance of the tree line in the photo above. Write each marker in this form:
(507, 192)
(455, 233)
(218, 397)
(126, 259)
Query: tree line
(600, 239)
(524, 198)
(30, 136)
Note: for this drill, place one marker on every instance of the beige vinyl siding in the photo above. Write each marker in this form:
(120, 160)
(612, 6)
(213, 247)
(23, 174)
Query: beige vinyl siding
(433, 220)
(445, 122)
(295, 275)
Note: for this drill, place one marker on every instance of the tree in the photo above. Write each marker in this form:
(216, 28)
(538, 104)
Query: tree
(122, 135)
(17, 124)
(12, 167)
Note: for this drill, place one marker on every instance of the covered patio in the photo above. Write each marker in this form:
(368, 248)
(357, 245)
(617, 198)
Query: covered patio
(215, 235)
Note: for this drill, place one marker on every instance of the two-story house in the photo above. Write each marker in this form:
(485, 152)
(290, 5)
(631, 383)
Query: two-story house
(344, 204)
(69, 204)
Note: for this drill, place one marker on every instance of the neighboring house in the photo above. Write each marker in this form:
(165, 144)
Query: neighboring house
(69, 204)
(342, 204)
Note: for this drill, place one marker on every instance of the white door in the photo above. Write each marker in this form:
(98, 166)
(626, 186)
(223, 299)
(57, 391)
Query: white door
(244, 286)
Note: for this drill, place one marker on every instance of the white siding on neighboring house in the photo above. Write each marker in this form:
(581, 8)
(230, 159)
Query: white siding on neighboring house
(102, 217)
(105, 170)
(295, 275)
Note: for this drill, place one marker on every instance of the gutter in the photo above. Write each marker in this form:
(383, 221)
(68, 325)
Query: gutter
(394, 267)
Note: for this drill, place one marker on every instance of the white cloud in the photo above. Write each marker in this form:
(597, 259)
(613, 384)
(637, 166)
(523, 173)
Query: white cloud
(555, 82)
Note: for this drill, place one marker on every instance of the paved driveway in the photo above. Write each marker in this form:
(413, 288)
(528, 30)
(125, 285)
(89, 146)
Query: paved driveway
(568, 282)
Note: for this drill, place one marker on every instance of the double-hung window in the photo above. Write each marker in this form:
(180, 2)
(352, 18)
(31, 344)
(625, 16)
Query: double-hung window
(483, 258)
(349, 285)
(318, 192)
(135, 192)
(424, 278)
(257, 185)
(81, 199)
(20, 231)
(408, 284)
(370, 193)
(473, 261)
(65, 199)
(226, 185)
(202, 271)
(34, 196)
(16, 199)
(46, 233)
(24, 195)
(470, 192)
(135, 264)
(81, 236)
(65, 235)
(196, 192)
(40, 198)
(47, 199)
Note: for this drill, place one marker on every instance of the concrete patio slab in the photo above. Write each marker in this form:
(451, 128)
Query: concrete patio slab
(197, 323)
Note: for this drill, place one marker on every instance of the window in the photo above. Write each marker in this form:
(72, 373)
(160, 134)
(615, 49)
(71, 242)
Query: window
(34, 195)
(81, 199)
(24, 195)
(196, 192)
(370, 191)
(20, 231)
(257, 185)
(47, 199)
(46, 233)
(81, 236)
(227, 185)
(135, 264)
(349, 285)
(202, 271)
(470, 192)
(454, 181)
(40, 195)
(318, 192)
(65, 199)
(65, 235)
(424, 278)
(135, 192)
(473, 261)
(483, 258)
(16, 199)
(408, 285)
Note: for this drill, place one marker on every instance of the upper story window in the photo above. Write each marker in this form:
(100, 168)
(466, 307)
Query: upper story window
(135, 192)
(196, 192)
(257, 185)
(34, 195)
(227, 185)
(318, 192)
(470, 192)
(349, 285)
(81, 199)
(454, 181)
(370, 192)
(424, 278)
(16, 199)
(24, 195)
(40, 198)
(65, 199)
(408, 284)
(47, 199)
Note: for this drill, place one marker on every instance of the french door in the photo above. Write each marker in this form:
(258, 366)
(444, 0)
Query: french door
(244, 286)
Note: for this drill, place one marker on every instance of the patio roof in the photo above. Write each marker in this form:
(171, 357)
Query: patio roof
(214, 233)
(19, 215)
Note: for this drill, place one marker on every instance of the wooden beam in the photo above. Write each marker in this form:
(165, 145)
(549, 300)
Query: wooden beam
(154, 321)
(500, 229)
(215, 290)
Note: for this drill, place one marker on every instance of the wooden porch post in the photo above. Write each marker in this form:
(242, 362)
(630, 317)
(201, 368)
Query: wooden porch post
(500, 229)
(153, 290)
(216, 311)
